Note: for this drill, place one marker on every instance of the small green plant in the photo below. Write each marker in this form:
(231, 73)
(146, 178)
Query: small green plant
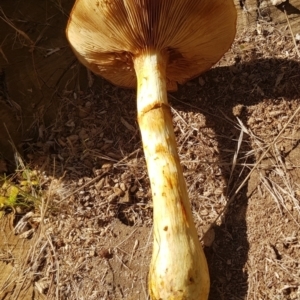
(21, 190)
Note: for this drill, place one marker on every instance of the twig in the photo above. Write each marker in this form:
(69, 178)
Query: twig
(231, 199)
(10, 23)
(292, 34)
(83, 186)
(126, 238)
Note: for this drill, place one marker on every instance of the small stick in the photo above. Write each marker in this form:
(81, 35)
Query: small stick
(294, 41)
(83, 186)
(10, 23)
(121, 261)
(254, 168)
(135, 246)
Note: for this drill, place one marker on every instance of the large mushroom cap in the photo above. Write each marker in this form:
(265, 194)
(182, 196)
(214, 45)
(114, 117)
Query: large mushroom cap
(106, 35)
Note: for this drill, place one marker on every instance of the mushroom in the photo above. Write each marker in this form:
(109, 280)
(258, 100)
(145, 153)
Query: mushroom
(154, 45)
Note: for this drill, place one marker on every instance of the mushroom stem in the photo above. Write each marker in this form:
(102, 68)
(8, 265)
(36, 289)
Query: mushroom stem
(178, 267)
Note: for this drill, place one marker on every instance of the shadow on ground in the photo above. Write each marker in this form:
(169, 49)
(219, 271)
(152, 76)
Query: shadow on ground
(227, 93)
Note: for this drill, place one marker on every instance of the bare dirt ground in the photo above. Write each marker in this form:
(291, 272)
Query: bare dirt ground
(238, 133)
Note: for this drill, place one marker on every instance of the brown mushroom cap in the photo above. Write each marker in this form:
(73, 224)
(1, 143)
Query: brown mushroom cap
(106, 35)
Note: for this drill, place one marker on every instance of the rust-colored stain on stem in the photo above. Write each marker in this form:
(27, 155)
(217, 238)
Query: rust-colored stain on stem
(156, 105)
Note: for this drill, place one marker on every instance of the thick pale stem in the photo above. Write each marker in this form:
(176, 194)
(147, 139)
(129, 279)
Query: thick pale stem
(178, 268)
